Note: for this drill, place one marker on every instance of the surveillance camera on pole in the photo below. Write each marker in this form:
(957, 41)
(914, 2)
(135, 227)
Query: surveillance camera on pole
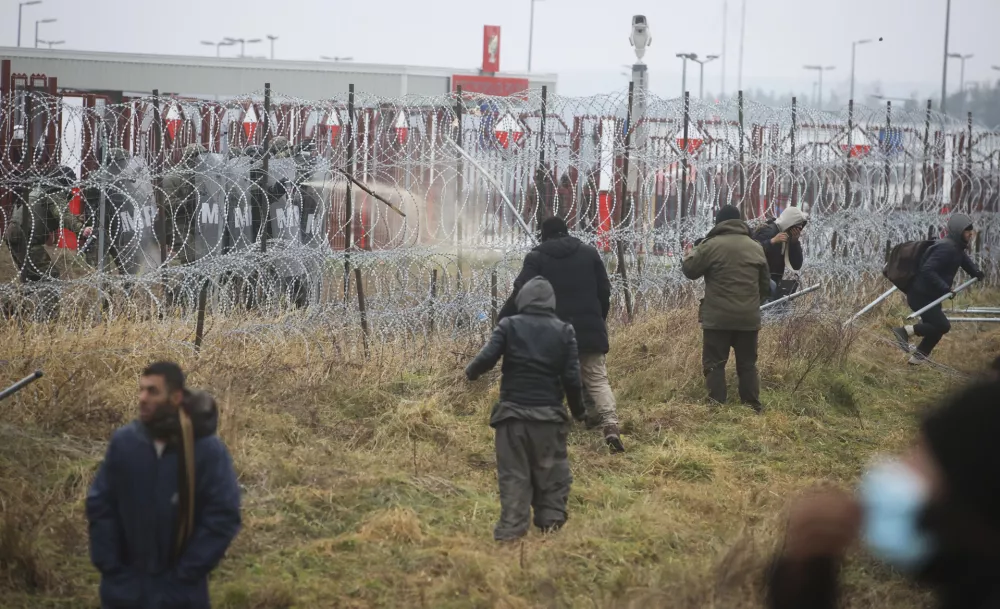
(640, 37)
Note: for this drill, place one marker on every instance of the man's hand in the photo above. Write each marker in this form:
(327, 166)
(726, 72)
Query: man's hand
(980, 275)
(779, 238)
(824, 523)
(794, 233)
(87, 231)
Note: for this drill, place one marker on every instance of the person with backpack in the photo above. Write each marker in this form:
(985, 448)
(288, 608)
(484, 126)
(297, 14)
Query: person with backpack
(935, 274)
(780, 240)
(540, 366)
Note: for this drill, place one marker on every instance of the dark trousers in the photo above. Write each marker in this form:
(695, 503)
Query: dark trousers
(715, 355)
(933, 324)
(533, 472)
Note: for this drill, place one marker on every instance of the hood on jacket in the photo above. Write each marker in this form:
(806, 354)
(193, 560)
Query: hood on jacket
(536, 294)
(559, 247)
(729, 227)
(958, 224)
(202, 409)
(792, 216)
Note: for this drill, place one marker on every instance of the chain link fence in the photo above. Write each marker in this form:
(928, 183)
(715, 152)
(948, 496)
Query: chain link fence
(282, 208)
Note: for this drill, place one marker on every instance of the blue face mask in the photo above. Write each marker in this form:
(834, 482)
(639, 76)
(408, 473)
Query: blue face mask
(894, 497)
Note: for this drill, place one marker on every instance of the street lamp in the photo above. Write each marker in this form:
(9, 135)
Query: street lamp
(531, 32)
(272, 39)
(944, 69)
(243, 43)
(684, 70)
(36, 28)
(854, 49)
(701, 78)
(51, 43)
(218, 46)
(325, 58)
(820, 69)
(19, 8)
(961, 78)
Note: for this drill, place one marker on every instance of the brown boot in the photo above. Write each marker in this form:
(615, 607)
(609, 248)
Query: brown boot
(613, 439)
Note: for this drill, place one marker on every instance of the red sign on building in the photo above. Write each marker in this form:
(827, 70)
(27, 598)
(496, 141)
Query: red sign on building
(491, 85)
(491, 48)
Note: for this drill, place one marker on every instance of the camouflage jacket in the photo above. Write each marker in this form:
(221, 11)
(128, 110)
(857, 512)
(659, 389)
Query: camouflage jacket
(45, 213)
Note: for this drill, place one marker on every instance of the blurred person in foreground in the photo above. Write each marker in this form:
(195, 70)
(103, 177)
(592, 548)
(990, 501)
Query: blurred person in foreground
(540, 365)
(935, 278)
(583, 299)
(736, 283)
(165, 504)
(932, 513)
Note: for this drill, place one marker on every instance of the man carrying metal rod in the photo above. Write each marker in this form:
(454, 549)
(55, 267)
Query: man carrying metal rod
(933, 282)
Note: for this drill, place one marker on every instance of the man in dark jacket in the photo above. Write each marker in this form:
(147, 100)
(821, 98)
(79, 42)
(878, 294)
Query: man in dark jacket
(583, 299)
(165, 504)
(540, 364)
(780, 240)
(933, 514)
(935, 279)
(736, 283)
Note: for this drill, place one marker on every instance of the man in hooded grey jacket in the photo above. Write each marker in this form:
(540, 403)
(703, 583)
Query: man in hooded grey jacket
(935, 278)
(540, 366)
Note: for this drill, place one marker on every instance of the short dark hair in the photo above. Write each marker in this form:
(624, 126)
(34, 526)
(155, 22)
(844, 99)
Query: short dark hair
(554, 227)
(171, 373)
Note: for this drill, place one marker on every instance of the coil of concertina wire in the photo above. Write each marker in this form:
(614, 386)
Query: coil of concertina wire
(252, 206)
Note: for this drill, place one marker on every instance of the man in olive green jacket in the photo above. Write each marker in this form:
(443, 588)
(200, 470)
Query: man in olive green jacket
(736, 284)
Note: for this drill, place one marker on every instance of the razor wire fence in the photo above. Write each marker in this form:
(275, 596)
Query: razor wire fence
(265, 204)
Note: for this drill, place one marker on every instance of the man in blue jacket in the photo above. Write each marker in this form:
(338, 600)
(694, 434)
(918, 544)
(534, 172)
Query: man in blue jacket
(934, 279)
(165, 504)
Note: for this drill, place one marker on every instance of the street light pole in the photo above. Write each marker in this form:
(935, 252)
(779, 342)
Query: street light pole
(51, 43)
(961, 77)
(272, 39)
(19, 9)
(684, 70)
(820, 69)
(854, 49)
(743, 30)
(701, 79)
(725, 18)
(531, 32)
(36, 27)
(944, 70)
(218, 46)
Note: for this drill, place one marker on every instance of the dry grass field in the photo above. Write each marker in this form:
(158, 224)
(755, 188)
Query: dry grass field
(372, 483)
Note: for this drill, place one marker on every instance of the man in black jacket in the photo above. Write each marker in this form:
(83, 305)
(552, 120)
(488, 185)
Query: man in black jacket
(583, 299)
(540, 363)
(933, 514)
(935, 279)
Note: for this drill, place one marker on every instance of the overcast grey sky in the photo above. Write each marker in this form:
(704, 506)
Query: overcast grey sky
(584, 41)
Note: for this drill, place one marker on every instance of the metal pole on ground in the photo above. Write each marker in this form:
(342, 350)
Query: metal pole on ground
(871, 306)
(947, 296)
(790, 297)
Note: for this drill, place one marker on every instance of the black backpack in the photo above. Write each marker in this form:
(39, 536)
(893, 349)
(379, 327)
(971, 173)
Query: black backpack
(904, 263)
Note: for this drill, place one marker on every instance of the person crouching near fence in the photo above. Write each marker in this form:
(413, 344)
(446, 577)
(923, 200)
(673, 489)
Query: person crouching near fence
(782, 247)
(935, 279)
(736, 283)
(540, 365)
(165, 504)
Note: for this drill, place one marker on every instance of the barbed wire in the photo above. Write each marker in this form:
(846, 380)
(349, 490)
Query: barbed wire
(268, 204)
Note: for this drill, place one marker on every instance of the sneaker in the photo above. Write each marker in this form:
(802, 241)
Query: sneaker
(902, 339)
(612, 439)
(755, 406)
(916, 359)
